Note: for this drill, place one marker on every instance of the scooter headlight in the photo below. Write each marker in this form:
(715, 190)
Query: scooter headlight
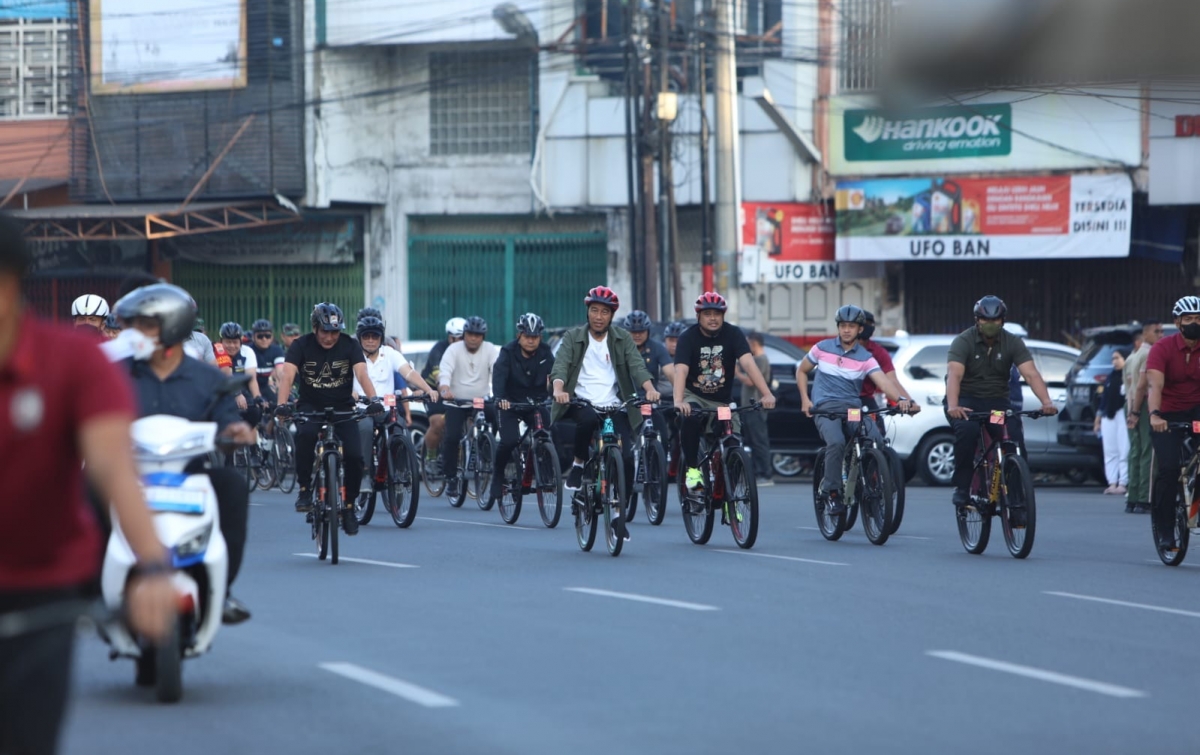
(193, 546)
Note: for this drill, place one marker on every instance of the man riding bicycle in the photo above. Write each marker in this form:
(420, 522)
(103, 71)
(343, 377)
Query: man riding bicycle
(465, 374)
(89, 310)
(842, 365)
(243, 362)
(1174, 396)
(521, 374)
(327, 362)
(434, 410)
(977, 380)
(269, 356)
(705, 361)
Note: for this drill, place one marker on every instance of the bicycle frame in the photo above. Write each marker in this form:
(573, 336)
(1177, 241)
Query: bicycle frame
(1002, 446)
(535, 430)
(857, 440)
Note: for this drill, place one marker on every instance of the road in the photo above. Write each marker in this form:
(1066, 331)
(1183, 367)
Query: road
(493, 639)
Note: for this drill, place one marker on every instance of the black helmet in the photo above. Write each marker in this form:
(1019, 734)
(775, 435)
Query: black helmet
(850, 313)
(475, 324)
(328, 317)
(262, 325)
(870, 317)
(675, 329)
(170, 305)
(231, 330)
(111, 322)
(369, 325)
(530, 324)
(637, 321)
(369, 312)
(990, 308)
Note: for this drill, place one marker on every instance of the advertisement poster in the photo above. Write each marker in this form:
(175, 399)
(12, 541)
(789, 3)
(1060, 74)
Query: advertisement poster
(943, 133)
(793, 242)
(1046, 217)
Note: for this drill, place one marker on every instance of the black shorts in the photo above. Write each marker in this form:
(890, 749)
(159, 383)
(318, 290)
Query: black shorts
(432, 409)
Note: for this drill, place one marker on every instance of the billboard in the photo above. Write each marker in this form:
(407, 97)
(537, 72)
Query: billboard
(142, 46)
(791, 242)
(1042, 217)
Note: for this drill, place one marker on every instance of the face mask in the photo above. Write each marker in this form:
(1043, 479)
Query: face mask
(1191, 331)
(990, 329)
(868, 331)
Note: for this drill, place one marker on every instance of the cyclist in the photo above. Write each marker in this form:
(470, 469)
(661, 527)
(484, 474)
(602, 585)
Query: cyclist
(243, 362)
(89, 310)
(671, 339)
(269, 356)
(658, 362)
(706, 360)
(435, 411)
(465, 373)
(1174, 396)
(522, 374)
(600, 364)
(112, 326)
(291, 331)
(327, 361)
(979, 364)
(842, 365)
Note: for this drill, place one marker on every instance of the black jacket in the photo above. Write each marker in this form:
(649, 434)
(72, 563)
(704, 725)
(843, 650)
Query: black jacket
(515, 378)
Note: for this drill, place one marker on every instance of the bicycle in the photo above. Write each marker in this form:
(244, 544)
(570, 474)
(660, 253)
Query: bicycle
(866, 480)
(728, 481)
(476, 449)
(329, 490)
(1187, 503)
(392, 468)
(1001, 485)
(533, 468)
(649, 470)
(603, 488)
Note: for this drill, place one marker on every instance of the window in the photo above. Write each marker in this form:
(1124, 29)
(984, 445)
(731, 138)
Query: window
(1054, 366)
(482, 103)
(35, 68)
(929, 363)
(865, 25)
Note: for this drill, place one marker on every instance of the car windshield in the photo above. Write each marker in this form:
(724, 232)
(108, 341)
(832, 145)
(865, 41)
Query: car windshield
(929, 363)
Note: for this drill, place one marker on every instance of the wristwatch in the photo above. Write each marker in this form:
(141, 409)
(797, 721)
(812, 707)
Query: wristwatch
(1156, 413)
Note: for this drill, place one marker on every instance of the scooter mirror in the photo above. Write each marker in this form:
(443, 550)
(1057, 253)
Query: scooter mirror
(234, 384)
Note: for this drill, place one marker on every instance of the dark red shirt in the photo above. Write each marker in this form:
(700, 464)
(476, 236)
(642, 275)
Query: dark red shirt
(1181, 373)
(882, 356)
(54, 382)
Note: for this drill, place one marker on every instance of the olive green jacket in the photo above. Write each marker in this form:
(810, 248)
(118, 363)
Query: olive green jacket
(627, 363)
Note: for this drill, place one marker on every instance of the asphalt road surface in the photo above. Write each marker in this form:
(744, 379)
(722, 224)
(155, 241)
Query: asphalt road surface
(463, 635)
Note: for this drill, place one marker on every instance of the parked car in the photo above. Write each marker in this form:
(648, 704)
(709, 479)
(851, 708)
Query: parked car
(925, 441)
(417, 352)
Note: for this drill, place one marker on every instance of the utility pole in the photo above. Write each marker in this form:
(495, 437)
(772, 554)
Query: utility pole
(728, 182)
(706, 247)
(649, 271)
(630, 54)
(665, 110)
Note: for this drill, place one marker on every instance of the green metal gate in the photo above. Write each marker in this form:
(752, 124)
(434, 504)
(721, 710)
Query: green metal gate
(500, 277)
(280, 293)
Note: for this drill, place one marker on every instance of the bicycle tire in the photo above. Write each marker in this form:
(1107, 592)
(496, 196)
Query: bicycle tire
(585, 519)
(333, 503)
(285, 458)
(549, 483)
(741, 495)
(975, 519)
(364, 507)
(434, 487)
(265, 473)
(832, 526)
(874, 491)
(851, 502)
(403, 490)
(1180, 533)
(698, 512)
(899, 484)
(1018, 507)
(240, 461)
(655, 485)
(320, 523)
(457, 497)
(511, 494)
(481, 480)
(612, 495)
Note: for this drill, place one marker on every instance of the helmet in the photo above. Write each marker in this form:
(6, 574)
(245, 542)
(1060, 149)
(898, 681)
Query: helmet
(637, 321)
(675, 329)
(369, 325)
(869, 317)
(262, 325)
(231, 330)
(369, 312)
(711, 300)
(89, 305)
(1187, 305)
(170, 305)
(530, 324)
(328, 317)
(603, 295)
(993, 307)
(475, 324)
(850, 313)
(454, 326)
(111, 322)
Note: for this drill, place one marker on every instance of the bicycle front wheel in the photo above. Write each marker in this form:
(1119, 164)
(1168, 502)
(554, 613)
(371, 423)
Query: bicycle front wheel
(333, 503)
(1018, 509)
(697, 509)
(585, 519)
(284, 451)
(510, 498)
(975, 519)
(364, 507)
(612, 494)
(481, 480)
(266, 473)
(320, 528)
(741, 497)
(434, 485)
(896, 467)
(549, 483)
(831, 525)
(403, 492)
(1172, 544)
(874, 491)
(654, 488)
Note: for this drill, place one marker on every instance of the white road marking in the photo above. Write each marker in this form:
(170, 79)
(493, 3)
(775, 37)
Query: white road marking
(392, 564)
(397, 687)
(782, 558)
(1157, 561)
(907, 537)
(258, 504)
(1111, 602)
(643, 599)
(1089, 685)
(481, 524)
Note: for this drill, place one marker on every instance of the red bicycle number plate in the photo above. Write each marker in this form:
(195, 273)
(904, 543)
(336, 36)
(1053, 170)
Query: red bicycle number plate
(477, 403)
(1196, 427)
(646, 409)
(997, 418)
(724, 412)
(854, 415)
(389, 400)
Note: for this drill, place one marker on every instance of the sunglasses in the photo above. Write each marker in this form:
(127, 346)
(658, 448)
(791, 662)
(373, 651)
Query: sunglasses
(262, 336)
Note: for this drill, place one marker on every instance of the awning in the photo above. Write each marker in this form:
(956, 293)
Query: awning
(148, 221)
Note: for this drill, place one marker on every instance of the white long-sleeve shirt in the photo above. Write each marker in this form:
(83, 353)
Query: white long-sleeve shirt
(468, 375)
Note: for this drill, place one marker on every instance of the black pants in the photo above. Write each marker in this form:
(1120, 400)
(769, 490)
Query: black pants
(233, 506)
(510, 436)
(754, 427)
(586, 421)
(35, 678)
(352, 455)
(966, 436)
(1168, 459)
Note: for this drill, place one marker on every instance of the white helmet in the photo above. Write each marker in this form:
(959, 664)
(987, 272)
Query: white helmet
(89, 305)
(455, 325)
(1187, 305)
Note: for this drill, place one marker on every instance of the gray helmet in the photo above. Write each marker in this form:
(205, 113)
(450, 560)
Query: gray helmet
(990, 307)
(232, 330)
(850, 313)
(530, 324)
(111, 322)
(476, 324)
(675, 329)
(637, 321)
(170, 305)
(262, 325)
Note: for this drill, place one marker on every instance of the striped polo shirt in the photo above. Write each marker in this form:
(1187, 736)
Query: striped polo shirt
(839, 373)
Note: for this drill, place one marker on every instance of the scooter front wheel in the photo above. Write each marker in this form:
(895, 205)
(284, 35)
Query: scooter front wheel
(168, 660)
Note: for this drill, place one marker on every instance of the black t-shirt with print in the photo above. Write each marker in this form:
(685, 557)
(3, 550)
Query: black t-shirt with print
(325, 376)
(711, 361)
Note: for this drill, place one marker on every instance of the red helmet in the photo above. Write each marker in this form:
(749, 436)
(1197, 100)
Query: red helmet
(711, 300)
(603, 295)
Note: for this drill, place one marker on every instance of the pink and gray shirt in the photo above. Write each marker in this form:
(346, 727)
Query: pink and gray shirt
(839, 373)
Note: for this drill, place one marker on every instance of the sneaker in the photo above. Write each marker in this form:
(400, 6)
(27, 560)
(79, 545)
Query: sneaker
(349, 521)
(836, 504)
(235, 611)
(452, 487)
(1130, 507)
(694, 480)
(619, 527)
(304, 501)
(433, 468)
(961, 499)
(764, 482)
(574, 478)
(1141, 508)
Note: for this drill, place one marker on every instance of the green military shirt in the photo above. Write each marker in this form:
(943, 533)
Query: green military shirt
(986, 368)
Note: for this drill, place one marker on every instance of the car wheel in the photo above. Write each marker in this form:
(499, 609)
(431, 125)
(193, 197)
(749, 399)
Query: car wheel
(787, 465)
(935, 459)
(1078, 475)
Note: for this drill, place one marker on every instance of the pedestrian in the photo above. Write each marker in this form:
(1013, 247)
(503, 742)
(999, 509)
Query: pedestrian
(754, 424)
(1110, 423)
(1137, 420)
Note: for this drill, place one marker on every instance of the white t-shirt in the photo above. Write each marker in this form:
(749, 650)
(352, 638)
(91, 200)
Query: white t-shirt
(381, 371)
(249, 362)
(198, 346)
(597, 380)
(468, 375)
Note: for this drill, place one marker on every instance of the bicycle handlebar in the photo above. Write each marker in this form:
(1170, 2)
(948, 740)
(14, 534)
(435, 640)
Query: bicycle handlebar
(1189, 426)
(753, 406)
(888, 411)
(612, 409)
(331, 416)
(528, 405)
(985, 415)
